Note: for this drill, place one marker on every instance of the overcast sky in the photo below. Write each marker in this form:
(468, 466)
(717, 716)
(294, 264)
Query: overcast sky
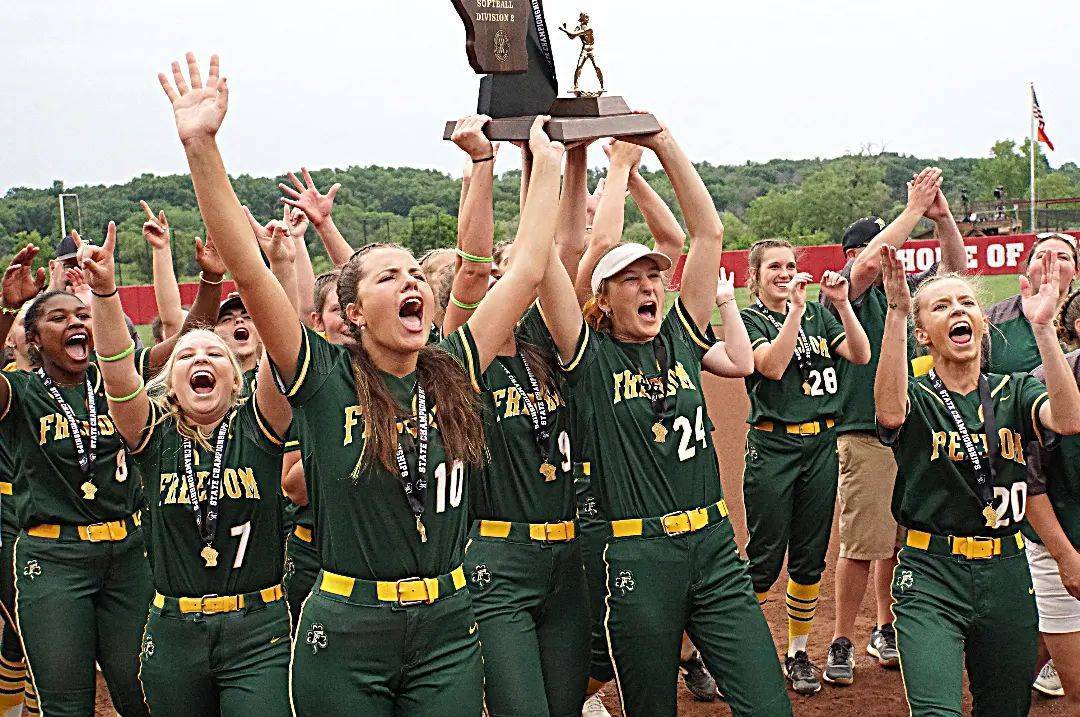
(361, 82)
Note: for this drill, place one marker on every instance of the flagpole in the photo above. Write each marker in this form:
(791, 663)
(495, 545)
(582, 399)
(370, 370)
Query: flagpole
(1032, 149)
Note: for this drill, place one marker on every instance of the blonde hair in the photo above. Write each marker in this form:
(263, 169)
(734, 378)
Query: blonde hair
(160, 388)
(757, 253)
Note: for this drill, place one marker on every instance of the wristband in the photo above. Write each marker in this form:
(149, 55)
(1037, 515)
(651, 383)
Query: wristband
(724, 303)
(203, 279)
(485, 159)
(122, 355)
(462, 304)
(474, 258)
(130, 397)
(105, 296)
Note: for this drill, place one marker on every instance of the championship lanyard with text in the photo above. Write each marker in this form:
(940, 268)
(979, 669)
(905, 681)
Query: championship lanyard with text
(802, 346)
(415, 486)
(659, 398)
(538, 412)
(207, 526)
(984, 472)
(86, 458)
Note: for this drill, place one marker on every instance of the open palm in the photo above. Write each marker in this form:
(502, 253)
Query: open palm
(20, 282)
(1040, 304)
(305, 197)
(198, 109)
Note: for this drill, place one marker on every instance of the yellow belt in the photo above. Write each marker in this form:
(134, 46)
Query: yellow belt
(304, 533)
(560, 532)
(112, 531)
(810, 428)
(5, 488)
(677, 523)
(211, 604)
(972, 548)
(405, 592)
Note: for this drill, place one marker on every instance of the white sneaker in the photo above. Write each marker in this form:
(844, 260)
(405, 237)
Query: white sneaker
(1048, 681)
(594, 707)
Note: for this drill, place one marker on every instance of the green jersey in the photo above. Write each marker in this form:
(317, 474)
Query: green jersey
(1056, 473)
(47, 477)
(248, 537)
(524, 481)
(935, 488)
(649, 457)
(1012, 346)
(365, 526)
(796, 398)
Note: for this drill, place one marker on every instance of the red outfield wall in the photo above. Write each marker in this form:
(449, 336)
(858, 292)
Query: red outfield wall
(986, 255)
(140, 305)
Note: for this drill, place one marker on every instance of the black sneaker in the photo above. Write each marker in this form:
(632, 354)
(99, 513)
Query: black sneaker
(698, 680)
(883, 646)
(802, 673)
(840, 668)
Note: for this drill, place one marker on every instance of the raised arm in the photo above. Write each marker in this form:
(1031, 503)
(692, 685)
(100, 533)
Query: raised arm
(702, 223)
(867, 267)
(476, 225)
(610, 215)
(199, 112)
(155, 231)
(129, 406)
(733, 357)
(570, 235)
(668, 236)
(278, 247)
(297, 222)
(293, 484)
(953, 254)
(317, 207)
(856, 346)
(19, 285)
(890, 383)
(771, 359)
(496, 317)
(1061, 413)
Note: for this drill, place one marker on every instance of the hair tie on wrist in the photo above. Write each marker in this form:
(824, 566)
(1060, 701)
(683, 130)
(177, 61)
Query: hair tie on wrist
(203, 279)
(120, 356)
(130, 397)
(474, 258)
(105, 296)
(9, 310)
(462, 304)
(485, 159)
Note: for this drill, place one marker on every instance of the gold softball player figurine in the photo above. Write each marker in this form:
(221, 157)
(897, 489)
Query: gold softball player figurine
(584, 32)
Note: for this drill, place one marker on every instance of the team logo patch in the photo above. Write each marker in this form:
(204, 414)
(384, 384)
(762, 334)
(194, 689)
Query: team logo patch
(316, 637)
(481, 576)
(148, 647)
(905, 580)
(751, 453)
(625, 582)
(32, 569)
(589, 507)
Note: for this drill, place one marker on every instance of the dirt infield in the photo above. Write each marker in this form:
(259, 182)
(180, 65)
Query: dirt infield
(876, 691)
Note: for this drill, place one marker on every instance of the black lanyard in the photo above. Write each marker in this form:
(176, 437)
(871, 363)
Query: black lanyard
(802, 345)
(207, 526)
(86, 458)
(415, 486)
(538, 412)
(659, 396)
(984, 471)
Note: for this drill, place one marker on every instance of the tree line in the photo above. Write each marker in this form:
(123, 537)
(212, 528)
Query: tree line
(809, 201)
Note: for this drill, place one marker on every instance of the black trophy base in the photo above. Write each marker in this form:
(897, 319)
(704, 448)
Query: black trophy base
(573, 119)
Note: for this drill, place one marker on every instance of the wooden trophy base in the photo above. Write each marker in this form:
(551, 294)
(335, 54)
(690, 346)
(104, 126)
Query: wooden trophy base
(573, 119)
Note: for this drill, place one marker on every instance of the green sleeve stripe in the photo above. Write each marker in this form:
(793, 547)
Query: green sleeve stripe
(997, 390)
(691, 328)
(264, 426)
(305, 364)
(583, 343)
(838, 340)
(292, 446)
(1036, 424)
(10, 391)
(471, 362)
(148, 431)
(758, 342)
(932, 393)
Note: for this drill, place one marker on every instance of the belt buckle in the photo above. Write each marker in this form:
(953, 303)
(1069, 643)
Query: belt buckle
(405, 603)
(560, 530)
(977, 548)
(677, 531)
(810, 428)
(98, 532)
(202, 603)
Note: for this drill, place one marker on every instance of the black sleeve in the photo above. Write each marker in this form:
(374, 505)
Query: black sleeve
(1038, 461)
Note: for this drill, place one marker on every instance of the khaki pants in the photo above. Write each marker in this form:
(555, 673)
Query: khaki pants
(867, 475)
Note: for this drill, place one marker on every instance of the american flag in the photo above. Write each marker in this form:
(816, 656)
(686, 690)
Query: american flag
(1036, 112)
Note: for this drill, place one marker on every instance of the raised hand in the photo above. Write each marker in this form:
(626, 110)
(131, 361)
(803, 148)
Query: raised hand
(21, 283)
(208, 259)
(939, 209)
(296, 221)
(469, 136)
(56, 275)
(97, 261)
(725, 287)
(649, 141)
(155, 230)
(197, 109)
(1040, 305)
(273, 238)
(894, 278)
(797, 289)
(923, 189)
(305, 197)
(541, 146)
(624, 154)
(834, 287)
(593, 201)
(76, 284)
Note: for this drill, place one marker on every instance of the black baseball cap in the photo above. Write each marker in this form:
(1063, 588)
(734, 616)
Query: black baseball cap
(232, 301)
(861, 232)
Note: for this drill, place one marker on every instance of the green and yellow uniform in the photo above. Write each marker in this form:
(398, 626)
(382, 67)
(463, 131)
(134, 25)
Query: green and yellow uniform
(1011, 342)
(228, 653)
(389, 622)
(1056, 474)
(789, 485)
(301, 561)
(523, 562)
(962, 590)
(82, 582)
(671, 562)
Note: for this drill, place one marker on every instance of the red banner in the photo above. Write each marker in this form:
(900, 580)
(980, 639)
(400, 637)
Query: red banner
(986, 255)
(141, 307)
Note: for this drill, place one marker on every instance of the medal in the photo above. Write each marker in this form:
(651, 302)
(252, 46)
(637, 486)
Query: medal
(421, 529)
(806, 387)
(89, 490)
(85, 455)
(659, 432)
(802, 345)
(209, 555)
(536, 405)
(548, 471)
(414, 486)
(991, 516)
